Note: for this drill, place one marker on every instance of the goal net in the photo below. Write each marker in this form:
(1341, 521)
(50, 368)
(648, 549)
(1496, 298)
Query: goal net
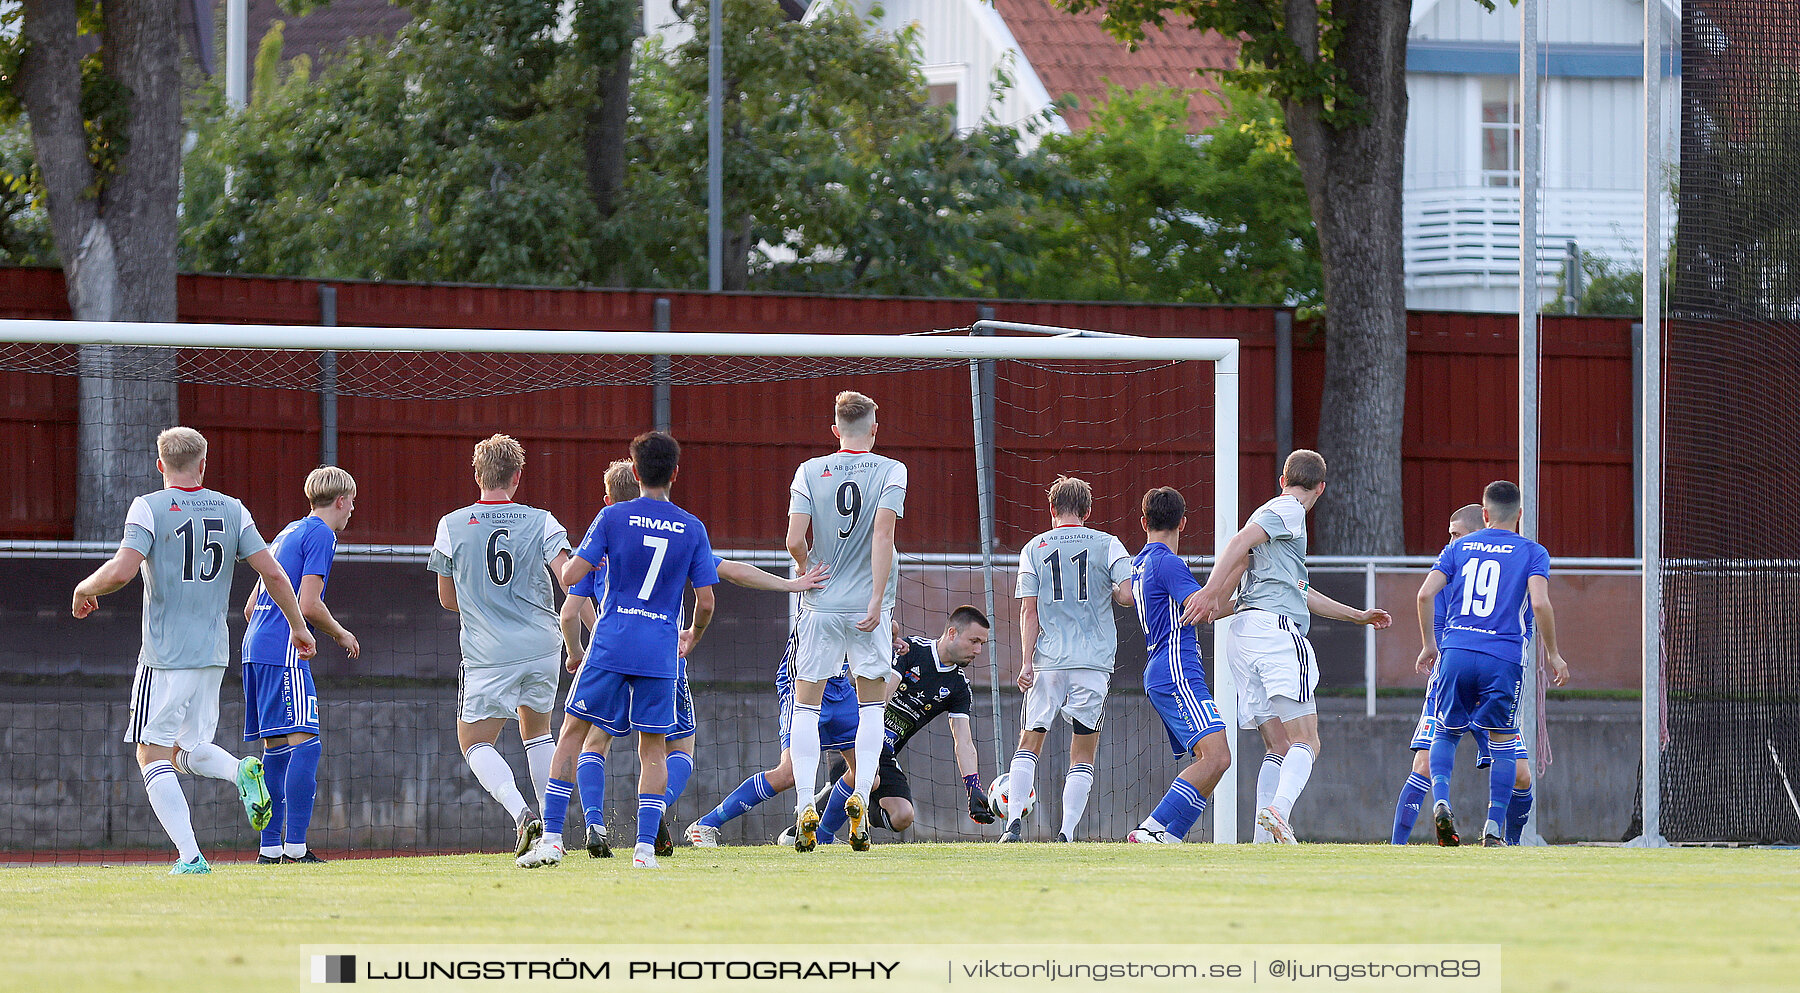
(985, 421)
(1730, 537)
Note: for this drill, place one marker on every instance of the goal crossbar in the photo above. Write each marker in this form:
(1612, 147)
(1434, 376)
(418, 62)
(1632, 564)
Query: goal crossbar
(1223, 351)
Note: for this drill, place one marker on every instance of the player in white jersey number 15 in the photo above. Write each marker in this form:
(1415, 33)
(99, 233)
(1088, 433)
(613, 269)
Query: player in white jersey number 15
(184, 539)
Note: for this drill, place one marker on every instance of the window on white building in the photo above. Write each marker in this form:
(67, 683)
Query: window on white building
(1499, 131)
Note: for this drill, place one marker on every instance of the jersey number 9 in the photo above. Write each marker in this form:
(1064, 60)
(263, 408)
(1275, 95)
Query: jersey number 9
(849, 504)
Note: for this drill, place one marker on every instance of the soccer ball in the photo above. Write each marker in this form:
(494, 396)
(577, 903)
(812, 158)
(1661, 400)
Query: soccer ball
(997, 797)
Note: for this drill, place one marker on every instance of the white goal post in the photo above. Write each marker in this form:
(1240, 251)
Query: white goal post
(1045, 344)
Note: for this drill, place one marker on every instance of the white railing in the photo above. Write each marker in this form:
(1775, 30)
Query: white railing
(1459, 234)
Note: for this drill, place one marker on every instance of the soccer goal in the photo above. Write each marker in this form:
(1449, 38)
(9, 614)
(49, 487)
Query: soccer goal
(986, 417)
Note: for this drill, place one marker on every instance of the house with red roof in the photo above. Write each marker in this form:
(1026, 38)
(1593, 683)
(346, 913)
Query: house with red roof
(1052, 56)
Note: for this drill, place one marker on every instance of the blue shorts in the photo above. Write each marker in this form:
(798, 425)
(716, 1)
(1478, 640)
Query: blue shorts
(619, 703)
(1186, 707)
(1426, 729)
(684, 707)
(1475, 689)
(837, 717)
(278, 700)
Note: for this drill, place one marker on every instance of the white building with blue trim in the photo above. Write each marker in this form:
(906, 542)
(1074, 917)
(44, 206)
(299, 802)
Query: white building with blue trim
(1463, 142)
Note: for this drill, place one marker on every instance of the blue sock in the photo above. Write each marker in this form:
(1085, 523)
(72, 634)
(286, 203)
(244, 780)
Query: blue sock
(650, 814)
(1500, 781)
(749, 793)
(275, 767)
(1406, 812)
(1443, 759)
(1517, 813)
(1484, 752)
(302, 788)
(1179, 809)
(590, 778)
(681, 766)
(556, 804)
(835, 816)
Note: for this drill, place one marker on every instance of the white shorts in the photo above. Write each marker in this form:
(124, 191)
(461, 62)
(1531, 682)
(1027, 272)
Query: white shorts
(500, 690)
(1270, 658)
(1077, 694)
(826, 641)
(178, 707)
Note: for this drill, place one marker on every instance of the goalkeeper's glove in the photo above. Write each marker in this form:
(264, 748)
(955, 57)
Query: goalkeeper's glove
(979, 810)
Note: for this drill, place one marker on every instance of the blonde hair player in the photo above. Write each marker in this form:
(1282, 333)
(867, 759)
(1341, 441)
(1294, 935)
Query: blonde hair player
(851, 501)
(281, 705)
(1069, 578)
(184, 539)
(494, 559)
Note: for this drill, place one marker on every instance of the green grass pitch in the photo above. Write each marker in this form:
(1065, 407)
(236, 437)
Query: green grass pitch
(1576, 919)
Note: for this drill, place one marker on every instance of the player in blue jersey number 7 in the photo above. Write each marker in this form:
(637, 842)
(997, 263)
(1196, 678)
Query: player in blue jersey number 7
(653, 550)
(1501, 582)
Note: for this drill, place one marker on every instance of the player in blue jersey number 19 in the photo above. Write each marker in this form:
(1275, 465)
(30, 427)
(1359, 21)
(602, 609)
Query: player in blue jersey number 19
(1502, 583)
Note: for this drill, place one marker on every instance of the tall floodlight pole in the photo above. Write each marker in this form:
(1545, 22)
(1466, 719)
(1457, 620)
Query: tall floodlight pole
(237, 53)
(715, 151)
(1529, 717)
(1650, 379)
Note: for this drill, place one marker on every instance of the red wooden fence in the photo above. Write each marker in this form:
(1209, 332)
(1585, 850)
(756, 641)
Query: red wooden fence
(411, 457)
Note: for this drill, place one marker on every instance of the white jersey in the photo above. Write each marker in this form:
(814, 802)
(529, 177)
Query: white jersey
(1276, 580)
(190, 538)
(1072, 570)
(498, 556)
(841, 493)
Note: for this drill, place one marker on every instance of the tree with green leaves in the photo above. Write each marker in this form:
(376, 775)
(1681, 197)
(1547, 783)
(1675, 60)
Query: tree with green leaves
(1339, 72)
(839, 174)
(1143, 210)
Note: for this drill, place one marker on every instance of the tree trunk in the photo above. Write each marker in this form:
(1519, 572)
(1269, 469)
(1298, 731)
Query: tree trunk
(603, 143)
(1353, 181)
(117, 248)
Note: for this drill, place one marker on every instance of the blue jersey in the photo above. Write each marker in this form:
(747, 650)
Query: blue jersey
(652, 549)
(1160, 583)
(304, 548)
(592, 585)
(1489, 608)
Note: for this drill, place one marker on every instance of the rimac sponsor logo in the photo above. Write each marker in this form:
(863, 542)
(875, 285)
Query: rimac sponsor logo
(658, 524)
(334, 968)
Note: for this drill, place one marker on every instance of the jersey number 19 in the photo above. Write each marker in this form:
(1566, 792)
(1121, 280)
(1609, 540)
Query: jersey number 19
(1481, 581)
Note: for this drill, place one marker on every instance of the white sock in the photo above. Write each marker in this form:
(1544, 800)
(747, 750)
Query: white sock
(171, 807)
(538, 753)
(1019, 782)
(1267, 779)
(1296, 768)
(803, 748)
(495, 776)
(553, 838)
(1075, 796)
(213, 762)
(273, 851)
(871, 730)
(1152, 824)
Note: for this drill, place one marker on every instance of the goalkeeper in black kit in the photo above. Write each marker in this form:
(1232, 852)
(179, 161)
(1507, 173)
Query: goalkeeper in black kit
(928, 680)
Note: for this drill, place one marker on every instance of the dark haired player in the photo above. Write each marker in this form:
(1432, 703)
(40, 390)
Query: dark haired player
(1174, 681)
(1501, 578)
(653, 550)
(929, 680)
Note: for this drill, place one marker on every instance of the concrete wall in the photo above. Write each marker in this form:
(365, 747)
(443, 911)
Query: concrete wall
(392, 776)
